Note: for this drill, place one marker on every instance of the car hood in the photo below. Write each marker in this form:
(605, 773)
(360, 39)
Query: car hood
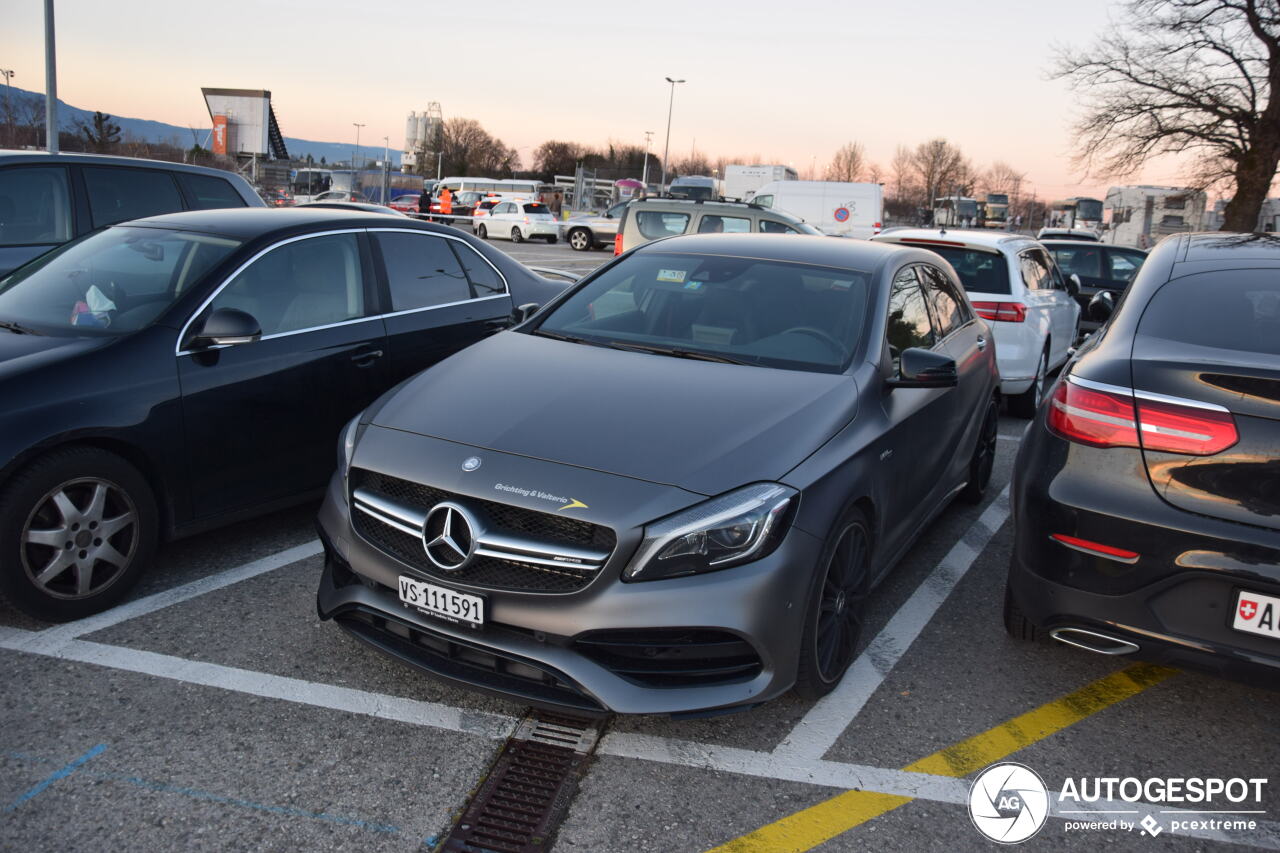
(22, 353)
(703, 426)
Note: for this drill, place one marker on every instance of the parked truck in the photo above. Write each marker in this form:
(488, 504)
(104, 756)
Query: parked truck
(741, 182)
(833, 207)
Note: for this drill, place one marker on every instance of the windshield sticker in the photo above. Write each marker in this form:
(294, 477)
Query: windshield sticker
(566, 503)
(841, 284)
(676, 276)
(694, 285)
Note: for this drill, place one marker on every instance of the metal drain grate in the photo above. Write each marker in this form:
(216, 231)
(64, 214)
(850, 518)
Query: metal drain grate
(527, 792)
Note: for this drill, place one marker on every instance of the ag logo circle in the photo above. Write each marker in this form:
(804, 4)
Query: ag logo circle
(1008, 803)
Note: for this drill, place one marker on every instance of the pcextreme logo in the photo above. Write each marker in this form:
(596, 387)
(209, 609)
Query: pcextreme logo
(565, 503)
(1009, 803)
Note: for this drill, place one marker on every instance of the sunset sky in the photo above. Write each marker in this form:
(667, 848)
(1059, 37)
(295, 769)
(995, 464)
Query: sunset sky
(786, 83)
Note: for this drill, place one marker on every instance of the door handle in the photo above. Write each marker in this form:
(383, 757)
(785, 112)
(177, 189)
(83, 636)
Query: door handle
(982, 342)
(364, 358)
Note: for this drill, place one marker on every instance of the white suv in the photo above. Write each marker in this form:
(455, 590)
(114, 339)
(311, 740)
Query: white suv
(1015, 285)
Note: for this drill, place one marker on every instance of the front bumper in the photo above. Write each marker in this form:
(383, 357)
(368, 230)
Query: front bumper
(546, 649)
(1176, 601)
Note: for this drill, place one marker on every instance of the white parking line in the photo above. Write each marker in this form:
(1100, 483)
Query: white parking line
(54, 637)
(819, 729)
(922, 786)
(413, 711)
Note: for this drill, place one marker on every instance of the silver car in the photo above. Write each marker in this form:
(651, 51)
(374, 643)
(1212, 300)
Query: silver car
(589, 231)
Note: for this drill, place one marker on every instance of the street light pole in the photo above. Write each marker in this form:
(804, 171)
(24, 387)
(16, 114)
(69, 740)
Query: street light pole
(355, 150)
(666, 149)
(50, 83)
(386, 168)
(644, 175)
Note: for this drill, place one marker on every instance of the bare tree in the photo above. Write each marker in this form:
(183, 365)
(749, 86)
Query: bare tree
(874, 173)
(940, 168)
(555, 157)
(1193, 77)
(468, 149)
(1002, 178)
(902, 169)
(100, 134)
(848, 164)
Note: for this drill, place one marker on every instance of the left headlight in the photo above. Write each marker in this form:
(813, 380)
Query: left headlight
(741, 526)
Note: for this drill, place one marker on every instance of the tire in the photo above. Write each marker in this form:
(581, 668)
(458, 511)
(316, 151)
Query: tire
(1025, 404)
(517, 236)
(482, 232)
(580, 240)
(982, 461)
(74, 493)
(551, 238)
(1017, 625)
(840, 591)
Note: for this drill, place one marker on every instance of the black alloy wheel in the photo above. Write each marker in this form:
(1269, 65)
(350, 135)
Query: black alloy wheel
(983, 459)
(837, 611)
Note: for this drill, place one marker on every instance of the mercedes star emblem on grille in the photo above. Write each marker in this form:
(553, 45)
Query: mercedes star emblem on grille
(449, 536)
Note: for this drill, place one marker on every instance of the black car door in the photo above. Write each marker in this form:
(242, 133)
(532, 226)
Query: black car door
(914, 450)
(262, 418)
(442, 296)
(966, 340)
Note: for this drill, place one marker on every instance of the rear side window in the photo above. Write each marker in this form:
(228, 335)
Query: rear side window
(35, 206)
(483, 277)
(422, 271)
(1125, 265)
(980, 272)
(117, 195)
(206, 192)
(713, 224)
(655, 224)
(1230, 310)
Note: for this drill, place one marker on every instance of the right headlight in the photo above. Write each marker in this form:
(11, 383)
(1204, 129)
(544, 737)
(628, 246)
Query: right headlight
(735, 528)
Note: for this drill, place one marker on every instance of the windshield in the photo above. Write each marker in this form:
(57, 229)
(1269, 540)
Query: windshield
(760, 312)
(111, 282)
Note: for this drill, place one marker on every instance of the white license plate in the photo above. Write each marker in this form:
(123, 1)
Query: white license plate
(448, 604)
(1257, 614)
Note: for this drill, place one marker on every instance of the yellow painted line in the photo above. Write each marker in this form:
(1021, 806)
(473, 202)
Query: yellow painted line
(810, 827)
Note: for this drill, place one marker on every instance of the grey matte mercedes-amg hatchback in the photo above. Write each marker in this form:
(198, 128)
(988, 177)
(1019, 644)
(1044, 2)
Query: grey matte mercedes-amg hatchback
(672, 489)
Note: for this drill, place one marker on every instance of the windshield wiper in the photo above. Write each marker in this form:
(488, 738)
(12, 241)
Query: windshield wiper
(17, 328)
(696, 355)
(572, 339)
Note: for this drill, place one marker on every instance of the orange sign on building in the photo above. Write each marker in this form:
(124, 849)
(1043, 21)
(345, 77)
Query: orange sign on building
(219, 134)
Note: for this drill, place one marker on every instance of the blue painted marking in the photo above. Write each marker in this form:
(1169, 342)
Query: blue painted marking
(61, 773)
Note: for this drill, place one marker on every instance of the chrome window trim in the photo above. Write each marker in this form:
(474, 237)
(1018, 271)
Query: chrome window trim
(178, 351)
(1147, 395)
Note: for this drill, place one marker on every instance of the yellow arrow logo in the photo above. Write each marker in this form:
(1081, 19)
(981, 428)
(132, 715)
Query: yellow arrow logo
(574, 503)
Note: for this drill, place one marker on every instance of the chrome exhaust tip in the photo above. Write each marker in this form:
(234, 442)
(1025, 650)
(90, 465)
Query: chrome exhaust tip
(1092, 641)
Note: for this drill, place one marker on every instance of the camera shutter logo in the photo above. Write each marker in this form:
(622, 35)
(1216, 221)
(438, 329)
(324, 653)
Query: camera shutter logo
(449, 536)
(1008, 803)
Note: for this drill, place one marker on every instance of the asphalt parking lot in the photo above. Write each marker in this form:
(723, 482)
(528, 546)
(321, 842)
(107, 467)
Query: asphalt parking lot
(213, 711)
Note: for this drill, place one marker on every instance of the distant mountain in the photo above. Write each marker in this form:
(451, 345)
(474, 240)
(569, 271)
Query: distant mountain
(158, 131)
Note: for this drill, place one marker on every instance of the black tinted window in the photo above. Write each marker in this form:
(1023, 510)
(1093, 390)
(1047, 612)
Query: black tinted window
(483, 277)
(654, 223)
(908, 324)
(1083, 260)
(1234, 310)
(35, 206)
(422, 271)
(768, 226)
(116, 195)
(947, 312)
(980, 272)
(536, 208)
(206, 192)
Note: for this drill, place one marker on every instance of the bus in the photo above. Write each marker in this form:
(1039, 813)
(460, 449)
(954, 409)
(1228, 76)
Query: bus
(955, 212)
(996, 210)
(1077, 212)
(306, 184)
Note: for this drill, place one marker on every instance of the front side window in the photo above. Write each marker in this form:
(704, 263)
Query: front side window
(763, 200)
(1125, 265)
(317, 281)
(35, 205)
(117, 195)
(421, 271)
(111, 282)
(908, 325)
(1035, 271)
(946, 309)
(655, 224)
(760, 312)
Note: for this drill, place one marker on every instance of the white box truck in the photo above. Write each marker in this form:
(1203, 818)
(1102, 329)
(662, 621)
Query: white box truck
(833, 207)
(741, 181)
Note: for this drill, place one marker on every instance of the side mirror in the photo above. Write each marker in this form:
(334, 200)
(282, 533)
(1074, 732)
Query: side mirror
(1074, 284)
(227, 327)
(1102, 306)
(524, 312)
(922, 368)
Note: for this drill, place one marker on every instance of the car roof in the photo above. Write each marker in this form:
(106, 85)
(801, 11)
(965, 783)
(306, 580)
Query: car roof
(11, 156)
(247, 223)
(1222, 246)
(997, 241)
(789, 248)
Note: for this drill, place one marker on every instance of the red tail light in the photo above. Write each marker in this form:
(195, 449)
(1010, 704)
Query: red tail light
(1114, 417)
(1006, 312)
(617, 244)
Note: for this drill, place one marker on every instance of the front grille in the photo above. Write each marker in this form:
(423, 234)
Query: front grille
(466, 662)
(671, 657)
(545, 533)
